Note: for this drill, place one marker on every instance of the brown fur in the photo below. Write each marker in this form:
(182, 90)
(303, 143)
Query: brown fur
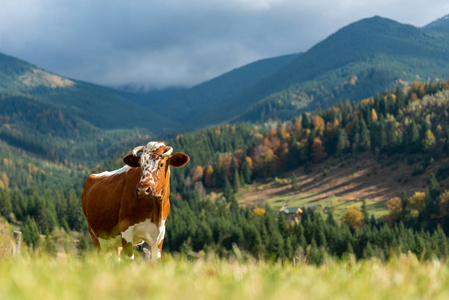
(111, 205)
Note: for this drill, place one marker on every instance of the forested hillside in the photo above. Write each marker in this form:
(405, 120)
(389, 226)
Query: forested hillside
(412, 123)
(90, 103)
(354, 63)
(53, 135)
(440, 25)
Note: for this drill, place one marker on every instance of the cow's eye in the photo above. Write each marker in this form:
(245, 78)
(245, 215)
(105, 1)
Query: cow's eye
(162, 165)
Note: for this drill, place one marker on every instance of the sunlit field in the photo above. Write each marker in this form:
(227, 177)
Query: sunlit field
(210, 278)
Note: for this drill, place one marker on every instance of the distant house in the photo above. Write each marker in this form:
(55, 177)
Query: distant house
(291, 213)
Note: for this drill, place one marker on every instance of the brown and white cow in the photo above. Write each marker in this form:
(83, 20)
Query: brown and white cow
(129, 206)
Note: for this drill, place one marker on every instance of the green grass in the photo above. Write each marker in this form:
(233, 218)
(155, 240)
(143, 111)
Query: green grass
(210, 278)
(376, 208)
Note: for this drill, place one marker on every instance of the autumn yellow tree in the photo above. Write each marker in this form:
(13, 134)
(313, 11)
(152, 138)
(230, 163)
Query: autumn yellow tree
(209, 177)
(196, 174)
(416, 203)
(318, 124)
(353, 218)
(318, 150)
(444, 203)
(374, 115)
(394, 205)
(428, 142)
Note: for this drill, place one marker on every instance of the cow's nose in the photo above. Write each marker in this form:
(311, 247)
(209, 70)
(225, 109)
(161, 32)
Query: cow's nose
(144, 190)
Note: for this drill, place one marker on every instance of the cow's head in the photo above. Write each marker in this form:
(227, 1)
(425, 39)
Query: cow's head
(154, 162)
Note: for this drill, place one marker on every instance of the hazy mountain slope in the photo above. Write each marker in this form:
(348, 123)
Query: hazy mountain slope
(148, 98)
(440, 25)
(360, 59)
(202, 99)
(92, 103)
(57, 136)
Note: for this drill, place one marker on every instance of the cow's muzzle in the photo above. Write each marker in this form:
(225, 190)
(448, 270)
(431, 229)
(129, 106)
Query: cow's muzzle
(145, 190)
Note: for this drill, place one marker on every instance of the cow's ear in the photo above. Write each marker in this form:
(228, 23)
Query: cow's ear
(131, 160)
(178, 160)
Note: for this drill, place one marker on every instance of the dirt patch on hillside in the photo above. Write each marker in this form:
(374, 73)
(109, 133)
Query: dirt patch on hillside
(351, 179)
(38, 77)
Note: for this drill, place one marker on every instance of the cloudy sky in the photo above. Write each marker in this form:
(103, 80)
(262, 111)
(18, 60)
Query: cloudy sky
(165, 43)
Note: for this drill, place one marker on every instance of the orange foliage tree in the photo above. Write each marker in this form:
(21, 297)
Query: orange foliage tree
(394, 205)
(209, 177)
(353, 218)
(196, 173)
(318, 150)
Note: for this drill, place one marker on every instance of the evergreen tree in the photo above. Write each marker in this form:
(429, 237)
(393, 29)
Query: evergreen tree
(237, 182)
(342, 141)
(246, 172)
(227, 191)
(412, 137)
(305, 121)
(30, 233)
(295, 185)
(5, 204)
(365, 212)
(364, 136)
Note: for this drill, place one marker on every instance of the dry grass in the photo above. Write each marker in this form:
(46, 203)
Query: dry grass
(38, 77)
(105, 278)
(338, 183)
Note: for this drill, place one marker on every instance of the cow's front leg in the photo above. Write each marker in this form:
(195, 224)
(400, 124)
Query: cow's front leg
(128, 249)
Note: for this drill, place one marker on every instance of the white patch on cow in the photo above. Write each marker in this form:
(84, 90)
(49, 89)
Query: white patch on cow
(115, 172)
(149, 165)
(144, 231)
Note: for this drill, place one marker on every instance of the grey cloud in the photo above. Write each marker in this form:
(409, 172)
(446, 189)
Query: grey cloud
(173, 42)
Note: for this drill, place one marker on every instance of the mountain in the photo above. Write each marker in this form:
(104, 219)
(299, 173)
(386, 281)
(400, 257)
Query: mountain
(60, 120)
(202, 99)
(148, 98)
(355, 62)
(440, 25)
(94, 104)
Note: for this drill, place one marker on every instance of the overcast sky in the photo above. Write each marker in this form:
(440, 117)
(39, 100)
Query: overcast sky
(165, 43)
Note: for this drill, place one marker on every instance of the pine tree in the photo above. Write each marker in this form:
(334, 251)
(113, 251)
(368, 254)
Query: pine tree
(5, 204)
(30, 233)
(412, 137)
(236, 182)
(364, 136)
(365, 212)
(295, 185)
(247, 172)
(342, 141)
(368, 251)
(305, 121)
(227, 191)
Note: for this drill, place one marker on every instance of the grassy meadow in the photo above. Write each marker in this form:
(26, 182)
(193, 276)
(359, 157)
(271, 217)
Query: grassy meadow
(210, 278)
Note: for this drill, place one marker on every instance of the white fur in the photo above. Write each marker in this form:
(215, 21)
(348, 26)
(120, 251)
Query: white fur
(136, 234)
(115, 172)
(149, 165)
(146, 231)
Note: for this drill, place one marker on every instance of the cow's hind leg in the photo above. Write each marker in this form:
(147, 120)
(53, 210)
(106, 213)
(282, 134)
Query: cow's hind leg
(128, 249)
(94, 239)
